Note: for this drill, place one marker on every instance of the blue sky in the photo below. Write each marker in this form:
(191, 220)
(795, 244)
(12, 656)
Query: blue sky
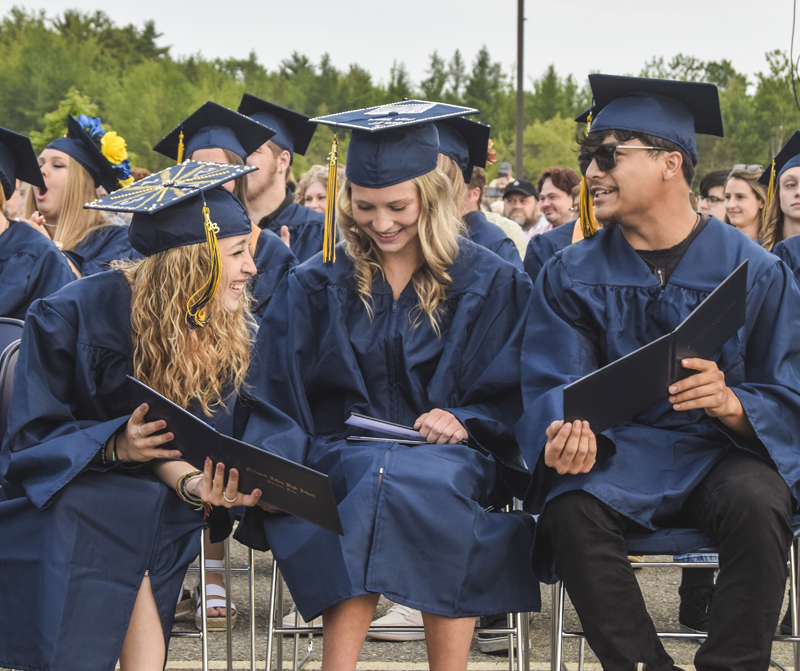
(577, 36)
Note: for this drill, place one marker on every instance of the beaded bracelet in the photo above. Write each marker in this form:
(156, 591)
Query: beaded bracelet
(197, 503)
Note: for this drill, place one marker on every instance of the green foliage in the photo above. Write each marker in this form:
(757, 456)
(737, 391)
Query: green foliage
(82, 62)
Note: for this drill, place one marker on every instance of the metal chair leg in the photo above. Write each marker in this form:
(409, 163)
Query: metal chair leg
(271, 616)
(252, 585)
(228, 614)
(793, 601)
(203, 606)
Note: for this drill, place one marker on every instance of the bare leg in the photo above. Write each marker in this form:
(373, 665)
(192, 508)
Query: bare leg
(447, 641)
(345, 627)
(214, 551)
(144, 648)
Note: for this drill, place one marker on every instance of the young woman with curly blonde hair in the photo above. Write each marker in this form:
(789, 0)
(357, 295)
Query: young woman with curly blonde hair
(416, 325)
(102, 511)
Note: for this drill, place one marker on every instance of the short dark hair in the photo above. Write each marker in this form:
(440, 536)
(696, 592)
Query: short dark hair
(594, 140)
(712, 179)
(564, 179)
(478, 179)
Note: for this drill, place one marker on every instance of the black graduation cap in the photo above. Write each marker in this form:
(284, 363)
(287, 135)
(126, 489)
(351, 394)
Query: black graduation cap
(214, 126)
(788, 157)
(669, 109)
(18, 161)
(293, 131)
(77, 144)
(465, 141)
(184, 205)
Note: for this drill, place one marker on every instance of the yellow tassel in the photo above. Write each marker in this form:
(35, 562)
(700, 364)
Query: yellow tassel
(196, 317)
(585, 205)
(329, 239)
(770, 193)
(180, 147)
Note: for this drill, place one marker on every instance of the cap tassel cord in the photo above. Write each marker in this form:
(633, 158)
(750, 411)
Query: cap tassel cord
(329, 240)
(180, 147)
(585, 205)
(196, 317)
(770, 193)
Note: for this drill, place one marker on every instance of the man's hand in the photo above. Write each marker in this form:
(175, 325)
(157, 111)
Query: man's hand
(706, 389)
(440, 427)
(571, 447)
(286, 236)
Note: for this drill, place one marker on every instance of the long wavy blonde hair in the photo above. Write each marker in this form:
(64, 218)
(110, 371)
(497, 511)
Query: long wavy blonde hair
(74, 223)
(187, 366)
(439, 227)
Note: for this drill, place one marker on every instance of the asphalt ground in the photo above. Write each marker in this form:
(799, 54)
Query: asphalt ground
(660, 587)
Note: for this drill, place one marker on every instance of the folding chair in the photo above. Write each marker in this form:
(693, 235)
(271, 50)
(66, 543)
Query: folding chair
(671, 542)
(517, 629)
(10, 331)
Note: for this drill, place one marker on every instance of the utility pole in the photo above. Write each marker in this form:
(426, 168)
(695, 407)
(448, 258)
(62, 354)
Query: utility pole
(520, 81)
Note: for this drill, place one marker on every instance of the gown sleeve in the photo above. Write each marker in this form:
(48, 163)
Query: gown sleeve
(539, 250)
(46, 444)
(489, 387)
(273, 260)
(26, 277)
(559, 347)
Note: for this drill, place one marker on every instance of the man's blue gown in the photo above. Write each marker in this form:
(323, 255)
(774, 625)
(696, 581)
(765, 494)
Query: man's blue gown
(273, 259)
(306, 228)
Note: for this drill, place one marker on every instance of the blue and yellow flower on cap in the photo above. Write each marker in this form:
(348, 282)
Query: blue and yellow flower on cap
(92, 125)
(111, 145)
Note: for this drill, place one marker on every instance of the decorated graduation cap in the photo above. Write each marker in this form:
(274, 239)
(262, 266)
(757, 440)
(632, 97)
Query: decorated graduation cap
(213, 126)
(669, 109)
(102, 153)
(18, 161)
(389, 144)
(293, 131)
(788, 157)
(173, 208)
(465, 141)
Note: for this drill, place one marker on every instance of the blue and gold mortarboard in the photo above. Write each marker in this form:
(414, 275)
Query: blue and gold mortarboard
(293, 131)
(172, 208)
(213, 126)
(84, 146)
(18, 161)
(390, 144)
(788, 157)
(465, 141)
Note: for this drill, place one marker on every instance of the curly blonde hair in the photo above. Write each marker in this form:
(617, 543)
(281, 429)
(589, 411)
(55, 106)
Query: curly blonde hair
(185, 365)
(74, 223)
(439, 227)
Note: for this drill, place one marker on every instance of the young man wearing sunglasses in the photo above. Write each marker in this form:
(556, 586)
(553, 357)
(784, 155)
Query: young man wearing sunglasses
(720, 454)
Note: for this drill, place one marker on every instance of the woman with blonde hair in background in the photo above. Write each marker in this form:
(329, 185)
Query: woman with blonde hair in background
(104, 514)
(88, 160)
(31, 266)
(407, 322)
(745, 198)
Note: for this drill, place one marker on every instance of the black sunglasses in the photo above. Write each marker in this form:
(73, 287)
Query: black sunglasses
(606, 156)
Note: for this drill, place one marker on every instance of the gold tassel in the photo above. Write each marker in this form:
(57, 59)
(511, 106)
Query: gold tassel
(180, 146)
(585, 205)
(770, 193)
(329, 239)
(196, 317)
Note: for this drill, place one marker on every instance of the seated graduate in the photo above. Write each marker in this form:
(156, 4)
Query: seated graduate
(782, 221)
(269, 201)
(721, 453)
(31, 266)
(74, 167)
(463, 144)
(220, 135)
(102, 518)
(408, 322)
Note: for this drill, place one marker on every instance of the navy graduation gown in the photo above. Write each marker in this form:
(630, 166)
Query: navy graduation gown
(306, 228)
(31, 267)
(421, 537)
(273, 259)
(789, 252)
(483, 232)
(77, 540)
(541, 247)
(100, 247)
(598, 301)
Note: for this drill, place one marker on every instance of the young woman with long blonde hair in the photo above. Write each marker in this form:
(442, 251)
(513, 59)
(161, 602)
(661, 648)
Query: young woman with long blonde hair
(102, 512)
(416, 325)
(86, 162)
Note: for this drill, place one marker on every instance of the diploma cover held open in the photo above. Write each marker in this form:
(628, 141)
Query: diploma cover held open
(630, 385)
(293, 488)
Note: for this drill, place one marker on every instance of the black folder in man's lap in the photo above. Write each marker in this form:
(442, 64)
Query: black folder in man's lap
(630, 385)
(293, 488)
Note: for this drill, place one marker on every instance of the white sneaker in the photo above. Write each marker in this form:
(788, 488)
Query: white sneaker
(289, 620)
(399, 616)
